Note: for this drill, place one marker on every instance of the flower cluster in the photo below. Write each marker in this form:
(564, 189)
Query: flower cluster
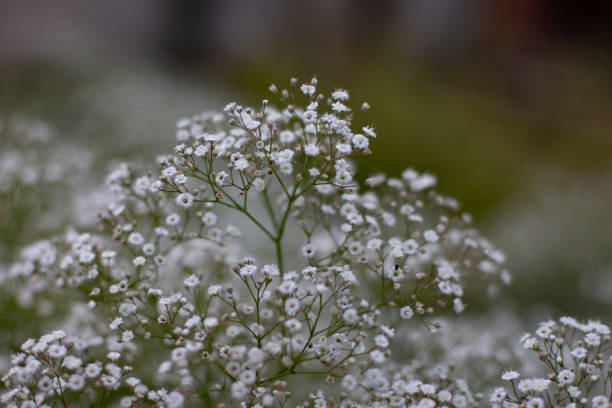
(403, 386)
(367, 261)
(297, 162)
(477, 347)
(579, 368)
(250, 268)
(62, 368)
(41, 176)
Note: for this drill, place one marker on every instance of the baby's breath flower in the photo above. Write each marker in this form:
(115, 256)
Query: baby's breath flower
(184, 200)
(192, 281)
(391, 246)
(510, 375)
(406, 312)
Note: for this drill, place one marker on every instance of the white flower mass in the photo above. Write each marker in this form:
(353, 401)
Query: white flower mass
(176, 306)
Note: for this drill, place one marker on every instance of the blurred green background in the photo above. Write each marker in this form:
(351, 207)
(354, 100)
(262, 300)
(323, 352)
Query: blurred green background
(508, 102)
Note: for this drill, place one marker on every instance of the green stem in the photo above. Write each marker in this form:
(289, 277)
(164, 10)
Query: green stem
(269, 208)
(280, 232)
(279, 256)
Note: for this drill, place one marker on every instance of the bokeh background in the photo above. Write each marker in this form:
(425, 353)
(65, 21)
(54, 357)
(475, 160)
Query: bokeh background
(509, 102)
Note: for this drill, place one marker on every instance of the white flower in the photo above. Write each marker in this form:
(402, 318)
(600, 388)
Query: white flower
(287, 287)
(161, 231)
(360, 142)
(430, 236)
(211, 322)
(406, 312)
(248, 376)
(308, 90)
(201, 150)
(458, 305)
(56, 351)
(184, 200)
(135, 238)
(349, 382)
(422, 182)
(178, 354)
(377, 356)
(344, 148)
(374, 244)
(460, 401)
(579, 353)
(239, 390)
(222, 178)
(340, 95)
(566, 377)
(44, 384)
(410, 247)
(540, 384)
(343, 178)
(249, 122)
(286, 168)
(148, 249)
(369, 130)
(285, 156)
(72, 362)
(592, 339)
(428, 389)
(209, 218)
(309, 116)
(259, 184)
(241, 164)
(497, 395)
(127, 336)
(381, 341)
(293, 325)
(311, 149)
(114, 325)
(76, 382)
(308, 251)
(355, 248)
(173, 219)
(292, 306)
(350, 316)
(600, 401)
(139, 261)
(248, 270)
(535, 402)
(510, 375)
(271, 270)
(192, 281)
(573, 391)
(168, 172)
(339, 107)
(108, 257)
(528, 341)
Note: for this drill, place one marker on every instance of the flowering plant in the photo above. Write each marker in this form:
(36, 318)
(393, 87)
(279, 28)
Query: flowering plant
(192, 318)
